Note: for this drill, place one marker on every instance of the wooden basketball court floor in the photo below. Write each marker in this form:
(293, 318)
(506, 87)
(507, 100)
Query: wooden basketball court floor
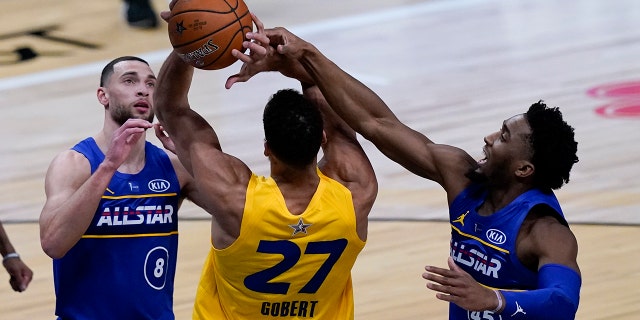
(453, 69)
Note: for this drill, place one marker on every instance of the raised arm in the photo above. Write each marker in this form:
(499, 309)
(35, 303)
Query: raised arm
(362, 109)
(222, 177)
(344, 159)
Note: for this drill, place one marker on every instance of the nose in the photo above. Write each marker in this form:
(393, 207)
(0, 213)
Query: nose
(143, 90)
(488, 139)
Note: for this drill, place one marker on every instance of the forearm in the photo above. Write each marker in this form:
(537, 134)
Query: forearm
(63, 222)
(172, 88)
(354, 102)
(5, 243)
(557, 298)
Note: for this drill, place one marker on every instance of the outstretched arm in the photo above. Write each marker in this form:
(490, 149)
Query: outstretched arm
(344, 159)
(223, 178)
(364, 111)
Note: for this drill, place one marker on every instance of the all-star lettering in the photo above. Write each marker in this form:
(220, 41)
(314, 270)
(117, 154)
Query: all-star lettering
(476, 260)
(116, 216)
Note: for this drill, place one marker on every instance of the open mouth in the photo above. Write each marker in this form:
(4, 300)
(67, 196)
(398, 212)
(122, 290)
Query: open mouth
(142, 106)
(483, 160)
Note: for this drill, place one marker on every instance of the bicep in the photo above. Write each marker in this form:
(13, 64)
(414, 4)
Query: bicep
(66, 173)
(554, 243)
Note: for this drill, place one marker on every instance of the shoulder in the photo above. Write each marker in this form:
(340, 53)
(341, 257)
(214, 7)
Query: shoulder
(68, 168)
(69, 158)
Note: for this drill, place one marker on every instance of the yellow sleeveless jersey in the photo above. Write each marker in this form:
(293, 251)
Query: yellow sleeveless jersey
(284, 266)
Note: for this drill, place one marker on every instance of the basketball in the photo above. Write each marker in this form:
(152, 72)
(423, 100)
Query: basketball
(203, 32)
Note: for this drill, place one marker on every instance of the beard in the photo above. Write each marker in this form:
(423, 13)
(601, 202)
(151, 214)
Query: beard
(121, 114)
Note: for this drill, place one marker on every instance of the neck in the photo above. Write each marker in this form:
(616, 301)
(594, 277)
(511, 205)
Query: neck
(498, 198)
(286, 175)
(296, 185)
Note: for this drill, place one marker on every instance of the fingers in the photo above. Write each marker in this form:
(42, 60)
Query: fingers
(231, 80)
(165, 15)
(258, 23)
(452, 265)
(439, 271)
(159, 131)
(259, 36)
(132, 127)
(134, 137)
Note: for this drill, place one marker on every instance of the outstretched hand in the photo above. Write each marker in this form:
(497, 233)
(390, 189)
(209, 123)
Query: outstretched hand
(254, 62)
(457, 286)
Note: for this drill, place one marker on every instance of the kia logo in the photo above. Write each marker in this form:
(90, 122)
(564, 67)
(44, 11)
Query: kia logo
(159, 185)
(496, 236)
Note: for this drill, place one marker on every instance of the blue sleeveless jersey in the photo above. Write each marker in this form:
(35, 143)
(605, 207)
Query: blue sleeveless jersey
(124, 265)
(485, 246)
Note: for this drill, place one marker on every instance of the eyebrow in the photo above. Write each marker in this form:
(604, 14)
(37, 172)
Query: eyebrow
(135, 73)
(505, 128)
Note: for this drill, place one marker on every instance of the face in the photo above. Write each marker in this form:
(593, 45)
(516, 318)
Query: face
(506, 151)
(129, 91)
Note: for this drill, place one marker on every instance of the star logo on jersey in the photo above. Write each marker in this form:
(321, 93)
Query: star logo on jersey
(461, 218)
(299, 227)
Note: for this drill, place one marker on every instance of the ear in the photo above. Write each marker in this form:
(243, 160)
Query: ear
(525, 169)
(324, 137)
(103, 96)
(267, 152)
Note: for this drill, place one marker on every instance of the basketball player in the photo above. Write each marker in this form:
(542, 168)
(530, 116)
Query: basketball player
(110, 221)
(512, 252)
(283, 246)
(19, 274)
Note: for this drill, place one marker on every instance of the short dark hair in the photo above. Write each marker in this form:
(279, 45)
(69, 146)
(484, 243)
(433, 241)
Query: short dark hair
(107, 71)
(553, 144)
(292, 128)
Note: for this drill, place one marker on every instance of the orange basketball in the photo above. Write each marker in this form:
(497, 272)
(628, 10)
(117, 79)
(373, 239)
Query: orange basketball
(203, 32)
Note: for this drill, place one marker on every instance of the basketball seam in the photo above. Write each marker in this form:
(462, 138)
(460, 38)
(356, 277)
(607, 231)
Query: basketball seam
(227, 47)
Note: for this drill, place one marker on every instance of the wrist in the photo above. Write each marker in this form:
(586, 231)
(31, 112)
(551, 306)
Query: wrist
(12, 255)
(500, 305)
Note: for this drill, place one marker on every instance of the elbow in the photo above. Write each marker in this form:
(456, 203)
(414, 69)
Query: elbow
(51, 248)
(563, 306)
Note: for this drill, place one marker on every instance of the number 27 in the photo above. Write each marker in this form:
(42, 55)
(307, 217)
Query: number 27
(259, 281)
